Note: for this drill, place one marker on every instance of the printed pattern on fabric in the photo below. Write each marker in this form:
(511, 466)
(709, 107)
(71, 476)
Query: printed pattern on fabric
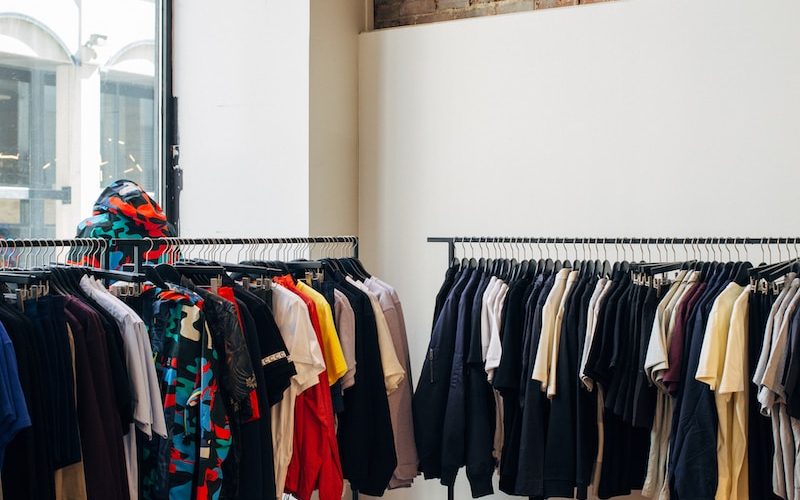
(123, 210)
(189, 463)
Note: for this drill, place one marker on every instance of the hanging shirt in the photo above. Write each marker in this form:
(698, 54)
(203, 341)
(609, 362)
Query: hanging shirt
(291, 315)
(315, 462)
(657, 342)
(13, 410)
(345, 321)
(400, 400)
(335, 363)
(125, 314)
(595, 304)
(487, 301)
(572, 278)
(139, 365)
(189, 368)
(772, 397)
(544, 350)
(732, 399)
(393, 372)
(494, 350)
(713, 361)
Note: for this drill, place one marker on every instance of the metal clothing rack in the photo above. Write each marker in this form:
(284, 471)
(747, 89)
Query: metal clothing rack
(584, 240)
(141, 246)
(103, 247)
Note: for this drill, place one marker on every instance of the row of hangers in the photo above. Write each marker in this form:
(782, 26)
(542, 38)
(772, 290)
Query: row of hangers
(645, 271)
(183, 258)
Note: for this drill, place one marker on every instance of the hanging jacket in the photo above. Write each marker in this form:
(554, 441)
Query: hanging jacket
(123, 210)
(432, 389)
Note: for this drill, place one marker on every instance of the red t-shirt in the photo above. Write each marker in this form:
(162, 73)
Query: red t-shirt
(315, 460)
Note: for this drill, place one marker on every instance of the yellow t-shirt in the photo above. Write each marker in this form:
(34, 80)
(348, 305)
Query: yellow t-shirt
(713, 361)
(331, 347)
(731, 401)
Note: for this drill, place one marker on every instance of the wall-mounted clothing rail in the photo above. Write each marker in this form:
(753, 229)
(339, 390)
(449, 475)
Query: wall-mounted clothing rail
(587, 240)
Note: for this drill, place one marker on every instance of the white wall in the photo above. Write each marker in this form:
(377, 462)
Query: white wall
(333, 107)
(652, 117)
(268, 116)
(241, 76)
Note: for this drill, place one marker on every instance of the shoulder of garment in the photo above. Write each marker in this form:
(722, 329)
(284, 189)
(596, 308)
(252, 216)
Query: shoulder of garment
(734, 373)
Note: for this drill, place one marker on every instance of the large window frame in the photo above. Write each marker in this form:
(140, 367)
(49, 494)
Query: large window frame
(53, 59)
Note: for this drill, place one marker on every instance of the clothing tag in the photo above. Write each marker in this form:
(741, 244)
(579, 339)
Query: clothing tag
(205, 451)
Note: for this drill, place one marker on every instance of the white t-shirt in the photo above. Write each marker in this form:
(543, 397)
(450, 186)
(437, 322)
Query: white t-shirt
(294, 323)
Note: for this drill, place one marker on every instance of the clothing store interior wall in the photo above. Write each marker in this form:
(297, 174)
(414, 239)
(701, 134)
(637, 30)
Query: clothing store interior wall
(640, 117)
(634, 118)
(637, 117)
(620, 118)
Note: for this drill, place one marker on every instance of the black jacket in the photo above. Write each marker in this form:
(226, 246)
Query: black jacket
(366, 442)
(455, 415)
(430, 398)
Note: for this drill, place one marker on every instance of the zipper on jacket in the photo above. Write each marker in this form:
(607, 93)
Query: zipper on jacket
(432, 364)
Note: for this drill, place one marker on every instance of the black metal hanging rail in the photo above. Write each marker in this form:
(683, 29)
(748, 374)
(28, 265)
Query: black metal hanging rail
(146, 242)
(143, 245)
(584, 240)
(103, 246)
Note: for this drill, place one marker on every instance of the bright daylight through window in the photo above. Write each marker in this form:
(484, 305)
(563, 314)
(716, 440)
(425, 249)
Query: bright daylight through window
(79, 108)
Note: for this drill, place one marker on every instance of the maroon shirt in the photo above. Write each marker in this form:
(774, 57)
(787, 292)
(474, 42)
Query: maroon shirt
(672, 377)
(101, 429)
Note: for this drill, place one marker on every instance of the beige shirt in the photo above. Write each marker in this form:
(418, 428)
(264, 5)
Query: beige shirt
(595, 304)
(541, 365)
(393, 372)
(345, 320)
(400, 400)
(657, 344)
(553, 368)
(294, 323)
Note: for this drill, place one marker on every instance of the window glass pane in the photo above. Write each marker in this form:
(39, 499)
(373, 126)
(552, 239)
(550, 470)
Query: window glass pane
(79, 108)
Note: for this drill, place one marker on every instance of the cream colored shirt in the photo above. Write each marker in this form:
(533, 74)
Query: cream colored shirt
(713, 360)
(400, 401)
(393, 372)
(541, 365)
(294, 323)
(712, 352)
(553, 367)
(657, 344)
(731, 399)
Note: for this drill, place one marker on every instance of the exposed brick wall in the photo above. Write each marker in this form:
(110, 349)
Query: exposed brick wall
(389, 13)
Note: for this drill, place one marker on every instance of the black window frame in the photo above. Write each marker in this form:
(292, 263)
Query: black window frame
(172, 174)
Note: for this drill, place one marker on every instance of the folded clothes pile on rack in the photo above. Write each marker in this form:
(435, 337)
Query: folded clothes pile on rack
(197, 378)
(677, 377)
